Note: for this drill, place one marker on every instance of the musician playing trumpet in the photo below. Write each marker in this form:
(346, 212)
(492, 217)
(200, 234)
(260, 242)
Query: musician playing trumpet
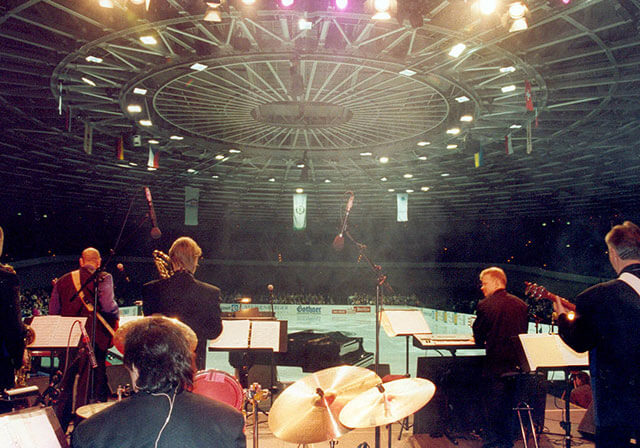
(191, 301)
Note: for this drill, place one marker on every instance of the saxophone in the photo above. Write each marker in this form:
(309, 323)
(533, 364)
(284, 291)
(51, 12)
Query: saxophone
(163, 263)
(23, 372)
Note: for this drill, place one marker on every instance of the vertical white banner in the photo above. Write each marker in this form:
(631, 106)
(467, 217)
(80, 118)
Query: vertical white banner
(403, 207)
(191, 198)
(299, 211)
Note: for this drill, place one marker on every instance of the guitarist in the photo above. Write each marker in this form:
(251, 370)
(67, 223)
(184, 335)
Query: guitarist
(67, 300)
(605, 323)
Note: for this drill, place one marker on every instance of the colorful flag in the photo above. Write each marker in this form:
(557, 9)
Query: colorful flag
(154, 158)
(299, 211)
(402, 200)
(191, 198)
(478, 158)
(529, 143)
(88, 138)
(528, 97)
(120, 148)
(507, 144)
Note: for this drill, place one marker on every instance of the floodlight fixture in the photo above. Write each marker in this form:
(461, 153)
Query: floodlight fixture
(88, 81)
(342, 4)
(457, 50)
(145, 122)
(507, 89)
(286, 3)
(466, 118)
(462, 99)
(106, 3)
(148, 40)
(487, 7)
(134, 108)
(453, 131)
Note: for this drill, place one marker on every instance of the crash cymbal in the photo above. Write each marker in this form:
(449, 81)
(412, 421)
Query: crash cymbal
(307, 411)
(387, 403)
(88, 410)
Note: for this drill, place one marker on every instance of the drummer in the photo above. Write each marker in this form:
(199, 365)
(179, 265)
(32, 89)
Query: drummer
(159, 355)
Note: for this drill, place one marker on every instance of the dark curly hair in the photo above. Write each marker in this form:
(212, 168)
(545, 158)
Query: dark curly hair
(160, 351)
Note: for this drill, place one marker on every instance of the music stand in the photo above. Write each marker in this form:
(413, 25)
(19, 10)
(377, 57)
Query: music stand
(33, 428)
(404, 323)
(547, 352)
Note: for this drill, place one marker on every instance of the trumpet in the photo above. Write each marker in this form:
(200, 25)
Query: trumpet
(163, 264)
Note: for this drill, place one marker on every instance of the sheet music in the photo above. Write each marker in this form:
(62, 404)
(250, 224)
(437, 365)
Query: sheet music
(30, 430)
(235, 334)
(549, 350)
(53, 331)
(265, 334)
(404, 322)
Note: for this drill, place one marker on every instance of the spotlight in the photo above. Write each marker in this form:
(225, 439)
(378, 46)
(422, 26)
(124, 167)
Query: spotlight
(286, 3)
(382, 8)
(517, 13)
(106, 3)
(457, 50)
(487, 7)
(342, 4)
(137, 2)
(213, 12)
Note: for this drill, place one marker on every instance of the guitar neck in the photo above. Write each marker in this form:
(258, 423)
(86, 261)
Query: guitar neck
(102, 320)
(568, 305)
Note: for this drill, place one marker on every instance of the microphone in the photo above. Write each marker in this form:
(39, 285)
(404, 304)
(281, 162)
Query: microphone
(270, 288)
(155, 231)
(338, 241)
(87, 344)
(120, 268)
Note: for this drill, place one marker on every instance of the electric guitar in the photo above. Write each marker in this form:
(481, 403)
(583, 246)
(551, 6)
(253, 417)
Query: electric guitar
(540, 292)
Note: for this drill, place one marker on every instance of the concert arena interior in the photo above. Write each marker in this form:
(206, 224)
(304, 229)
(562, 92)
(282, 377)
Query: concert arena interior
(348, 167)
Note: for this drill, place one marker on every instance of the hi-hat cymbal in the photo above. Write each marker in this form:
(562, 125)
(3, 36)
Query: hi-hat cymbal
(88, 410)
(307, 411)
(387, 403)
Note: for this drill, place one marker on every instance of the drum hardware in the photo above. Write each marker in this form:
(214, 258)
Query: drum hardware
(255, 394)
(88, 410)
(219, 386)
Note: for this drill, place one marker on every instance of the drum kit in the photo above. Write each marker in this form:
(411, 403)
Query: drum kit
(320, 407)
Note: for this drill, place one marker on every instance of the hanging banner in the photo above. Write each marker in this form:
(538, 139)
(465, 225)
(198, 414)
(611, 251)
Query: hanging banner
(299, 211)
(191, 198)
(403, 207)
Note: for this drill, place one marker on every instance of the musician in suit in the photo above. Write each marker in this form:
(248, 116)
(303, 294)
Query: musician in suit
(11, 327)
(158, 353)
(605, 323)
(500, 317)
(67, 300)
(193, 302)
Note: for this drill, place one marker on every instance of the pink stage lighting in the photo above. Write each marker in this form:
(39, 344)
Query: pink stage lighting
(286, 3)
(342, 4)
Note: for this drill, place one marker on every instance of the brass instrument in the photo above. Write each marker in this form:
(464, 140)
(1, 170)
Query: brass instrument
(23, 372)
(163, 263)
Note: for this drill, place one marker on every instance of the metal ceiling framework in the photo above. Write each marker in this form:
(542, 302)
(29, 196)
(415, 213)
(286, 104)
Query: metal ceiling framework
(271, 95)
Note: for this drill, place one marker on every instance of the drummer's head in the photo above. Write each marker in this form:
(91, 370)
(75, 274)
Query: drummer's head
(159, 354)
(184, 254)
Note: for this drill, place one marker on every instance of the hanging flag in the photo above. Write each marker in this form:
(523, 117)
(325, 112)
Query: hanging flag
(154, 158)
(529, 143)
(120, 148)
(88, 138)
(478, 158)
(403, 207)
(299, 211)
(528, 97)
(191, 198)
(507, 144)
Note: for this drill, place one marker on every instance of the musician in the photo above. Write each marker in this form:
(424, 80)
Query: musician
(500, 317)
(11, 327)
(605, 323)
(67, 300)
(163, 412)
(193, 302)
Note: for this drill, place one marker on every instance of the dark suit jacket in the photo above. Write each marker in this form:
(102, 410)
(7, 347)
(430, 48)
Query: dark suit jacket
(608, 315)
(501, 316)
(196, 422)
(11, 328)
(193, 302)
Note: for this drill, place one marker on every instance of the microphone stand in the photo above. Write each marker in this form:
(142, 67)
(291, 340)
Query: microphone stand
(381, 284)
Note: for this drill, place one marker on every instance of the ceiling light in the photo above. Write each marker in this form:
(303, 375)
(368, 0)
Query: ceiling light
(176, 137)
(148, 40)
(234, 151)
(133, 164)
(150, 168)
(384, 179)
(286, 3)
(198, 66)
(382, 5)
(139, 91)
(519, 25)
(300, 164)
(517, 10)
(457, 50)
(145, 123)
(409, 191)
(407, 72)
(384, 159)
(212, 14)
(88, 81)
(445, 174)
(452, 146)
(408, 176)
(304, 24)
(509, 69)
(510, 88)
(327, 181)
(95, 59)
(215, 176)
(137, 2)
(299, 190)
(487, 7)
(272, 179)
(466, 118)
(462, 99)
(191, 170)
(106, 3)
(381, 15)
(423, 143)
(422, 158)
(219, 157)
(453, 131)
(342, 4)
(248, 2)
(515, 126)
(134, 108)
(153, 141)
(391, 190)
(425, 188)
(366, 153)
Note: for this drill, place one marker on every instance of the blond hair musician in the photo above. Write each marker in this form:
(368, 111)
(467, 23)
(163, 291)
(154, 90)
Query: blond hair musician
(193, 302)
(11, 328)
(163, 413)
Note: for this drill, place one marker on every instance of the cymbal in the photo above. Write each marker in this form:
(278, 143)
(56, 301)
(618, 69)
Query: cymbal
(307, 411)
(387, 403)
(88, 410)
